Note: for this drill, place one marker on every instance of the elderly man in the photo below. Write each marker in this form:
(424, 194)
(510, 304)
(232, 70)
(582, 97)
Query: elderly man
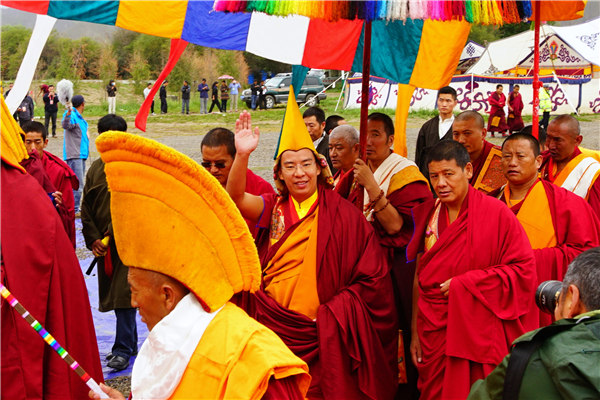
(566, 166)
(475, 280)
(392, 185)
(343, 150)
(561, 360)
(182, 276)
(469, 130)
(218, 152)
(326, 287)
(545, 211)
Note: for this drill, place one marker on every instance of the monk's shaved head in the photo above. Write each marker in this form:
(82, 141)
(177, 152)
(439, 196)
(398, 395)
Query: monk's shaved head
(345, 132)
(533, 143)
(471, 115)
(570, 123)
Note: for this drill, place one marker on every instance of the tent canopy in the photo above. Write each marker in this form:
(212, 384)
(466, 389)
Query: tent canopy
(505, 54)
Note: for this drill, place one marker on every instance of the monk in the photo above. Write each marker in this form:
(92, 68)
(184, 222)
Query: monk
(475, 280)
(40, 268)
(218, 152)
(546, 212)
(497, 119)
(515, 108)
(468, 129)
(326, 287)
(200, 345)
(343, 150)
(61, 175)
(565, 165)
(392, 186)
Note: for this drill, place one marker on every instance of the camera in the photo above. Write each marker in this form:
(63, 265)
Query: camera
(547, 294)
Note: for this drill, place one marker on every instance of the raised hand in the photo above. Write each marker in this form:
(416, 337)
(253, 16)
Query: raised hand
(246, 140)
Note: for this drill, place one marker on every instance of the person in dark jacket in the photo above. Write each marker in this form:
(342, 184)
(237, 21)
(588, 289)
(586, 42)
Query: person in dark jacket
(50, 109)
(215, 97)
(163, 97)
(25, 110)
(114, 292)
(566, 363)
(185, 97)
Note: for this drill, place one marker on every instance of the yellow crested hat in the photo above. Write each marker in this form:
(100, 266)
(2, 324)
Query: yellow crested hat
(12, 147)
(171, 216)
(294, 136)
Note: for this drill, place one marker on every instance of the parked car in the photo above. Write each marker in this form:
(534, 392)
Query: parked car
(278, 89)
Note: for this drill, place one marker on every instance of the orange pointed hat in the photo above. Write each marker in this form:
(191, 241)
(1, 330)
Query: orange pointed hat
(12, 147)
(171, 216)
(294, 136)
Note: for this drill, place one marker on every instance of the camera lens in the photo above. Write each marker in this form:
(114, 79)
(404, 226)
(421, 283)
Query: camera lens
(546, 295)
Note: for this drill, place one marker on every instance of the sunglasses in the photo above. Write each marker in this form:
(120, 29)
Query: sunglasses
(209, 164)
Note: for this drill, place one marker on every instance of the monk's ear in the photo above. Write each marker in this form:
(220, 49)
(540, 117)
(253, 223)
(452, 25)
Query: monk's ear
(356, 149)
(483, 133)
(169, 296)
(469, 170)
(578, 139)
(538, 162)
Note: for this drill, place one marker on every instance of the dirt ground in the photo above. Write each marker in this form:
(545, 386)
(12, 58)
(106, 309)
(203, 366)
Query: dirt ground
(185, 136)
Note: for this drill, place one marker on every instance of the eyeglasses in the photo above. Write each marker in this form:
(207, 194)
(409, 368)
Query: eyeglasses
(291, 168)
(209, 164)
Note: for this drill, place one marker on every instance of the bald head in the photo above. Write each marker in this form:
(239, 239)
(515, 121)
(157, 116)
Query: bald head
(562, 138)
(471, 115)
(343, 147)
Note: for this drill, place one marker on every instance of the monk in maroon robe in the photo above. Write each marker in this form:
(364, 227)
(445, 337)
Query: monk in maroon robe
(559, 224)
(41, 269)
(566, 166)
(61, 175)
(475, 280)
(326, 287)
(515, 108)
(497, 119)
(468, 129)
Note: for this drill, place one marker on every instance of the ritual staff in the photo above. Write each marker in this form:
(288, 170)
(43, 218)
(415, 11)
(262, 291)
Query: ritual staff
(468, 129)
(188, 251)
(515, 108)
(326, 286)
(546, 212)
(392, 185)
(497, 119)
(61, 175)
(218, 152)
(437, 128)
(566, 166)
(96, 224)
(343, 150)
(475, 280)
(40, 268)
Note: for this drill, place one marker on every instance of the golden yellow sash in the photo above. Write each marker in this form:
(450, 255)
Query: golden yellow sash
(235, 359)
(536, 219)
(290, 278)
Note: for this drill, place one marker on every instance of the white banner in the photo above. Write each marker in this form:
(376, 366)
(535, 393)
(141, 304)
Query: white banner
(39, 36)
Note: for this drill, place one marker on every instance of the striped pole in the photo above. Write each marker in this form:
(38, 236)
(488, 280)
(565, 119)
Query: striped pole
(14, 303)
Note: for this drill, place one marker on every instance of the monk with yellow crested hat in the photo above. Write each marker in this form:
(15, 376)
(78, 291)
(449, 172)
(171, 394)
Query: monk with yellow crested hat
(326, 288)
(189, 250)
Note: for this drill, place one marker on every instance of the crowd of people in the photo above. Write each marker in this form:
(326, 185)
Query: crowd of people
(379, 278)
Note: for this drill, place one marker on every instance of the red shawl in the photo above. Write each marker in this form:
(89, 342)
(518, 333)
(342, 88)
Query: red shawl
(463, 336)
(40, 268)
(351, 348)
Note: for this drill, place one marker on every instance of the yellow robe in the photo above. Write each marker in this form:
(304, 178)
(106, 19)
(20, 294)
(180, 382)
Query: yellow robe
(235, 359)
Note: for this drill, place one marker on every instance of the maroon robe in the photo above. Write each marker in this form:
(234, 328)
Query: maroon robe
(577, 229)
(515, 121)
(257, 186)
(403, 272)
(497, 103)
(40, 268)
(65, 181)
(491, 298)
(351, 348)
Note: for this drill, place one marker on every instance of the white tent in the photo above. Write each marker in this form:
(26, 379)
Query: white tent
(505, 54)
(472, 50)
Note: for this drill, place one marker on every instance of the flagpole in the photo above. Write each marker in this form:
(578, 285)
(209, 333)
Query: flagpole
(364, 103)
(536, 70)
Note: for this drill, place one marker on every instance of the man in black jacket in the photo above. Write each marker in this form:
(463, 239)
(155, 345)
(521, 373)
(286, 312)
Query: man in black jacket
(314, 119)
(50, 109)
(185, 97)
(163, 97)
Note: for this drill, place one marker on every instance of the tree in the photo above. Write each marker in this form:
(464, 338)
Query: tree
(107, 64)
(140, 72)
(14, 40)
